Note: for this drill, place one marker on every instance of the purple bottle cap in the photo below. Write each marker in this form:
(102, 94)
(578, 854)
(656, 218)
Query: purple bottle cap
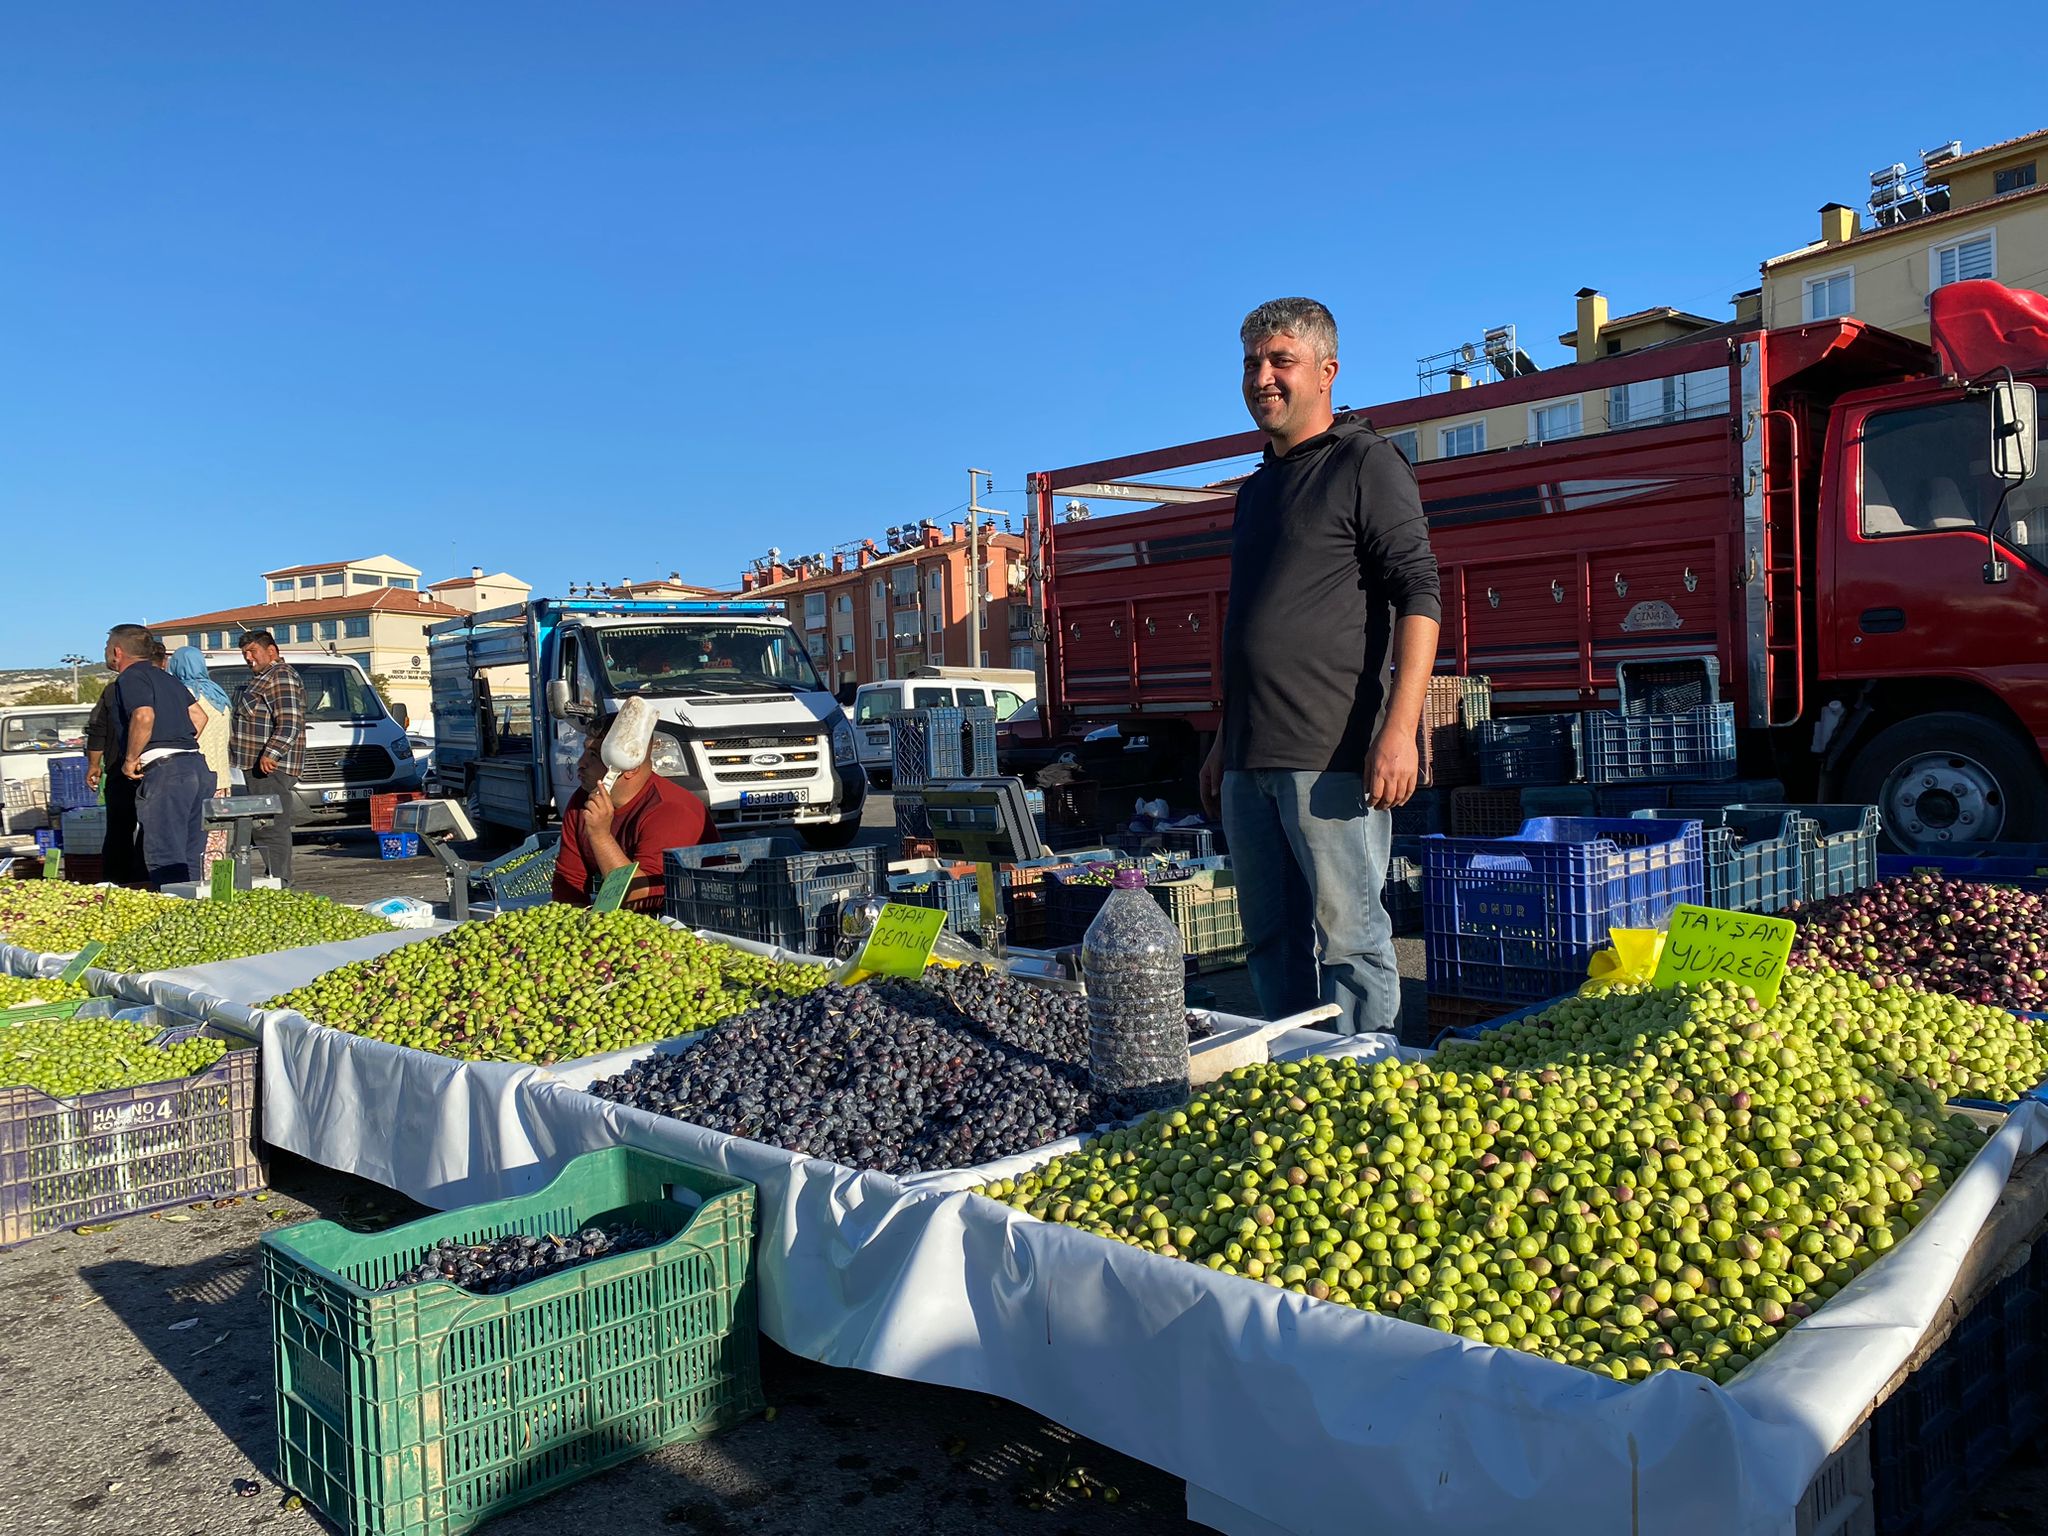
(1128, 879)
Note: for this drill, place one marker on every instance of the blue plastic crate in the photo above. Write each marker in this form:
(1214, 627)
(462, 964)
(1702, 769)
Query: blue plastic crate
(1558, 800)
(911, 818)
(46, 839)
(1627, 799)
(942, 743)
(1840, 846)
(1478, 812)
(1192, 842)
(769, 889)
(2022, 864)
(1720, 793)
(1527, 749)
(1756, 860)
(1423, 814)
(1516, 919)
(68, 789)
(1669, 685)
(397, 845)
(1402, 894)
(1631, 749)
(1917, 1450)
(1474, 1030)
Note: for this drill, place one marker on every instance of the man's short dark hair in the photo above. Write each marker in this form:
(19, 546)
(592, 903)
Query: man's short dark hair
(131, 640)
(259, 637)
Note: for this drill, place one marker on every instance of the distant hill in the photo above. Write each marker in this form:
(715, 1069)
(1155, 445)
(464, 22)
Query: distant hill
(13, 684)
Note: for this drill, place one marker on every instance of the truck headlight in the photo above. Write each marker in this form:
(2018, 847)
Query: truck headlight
(845, 749)
(665, 756)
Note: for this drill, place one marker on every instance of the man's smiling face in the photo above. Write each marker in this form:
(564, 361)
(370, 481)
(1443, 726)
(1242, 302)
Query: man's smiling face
(1286, 386)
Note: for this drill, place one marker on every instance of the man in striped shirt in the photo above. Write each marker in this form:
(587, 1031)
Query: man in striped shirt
(268, 741)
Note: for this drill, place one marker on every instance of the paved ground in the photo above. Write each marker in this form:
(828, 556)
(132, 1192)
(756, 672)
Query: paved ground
(135, 1390)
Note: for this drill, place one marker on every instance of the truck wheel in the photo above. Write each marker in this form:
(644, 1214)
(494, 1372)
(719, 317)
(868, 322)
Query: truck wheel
(1951, 778)
(822, 838)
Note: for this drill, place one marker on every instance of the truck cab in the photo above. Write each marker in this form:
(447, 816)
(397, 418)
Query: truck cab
(742, 718)
(30, 735)
(354, 748)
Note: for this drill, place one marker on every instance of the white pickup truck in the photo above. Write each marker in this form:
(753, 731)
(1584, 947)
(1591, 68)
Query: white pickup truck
(742, 717)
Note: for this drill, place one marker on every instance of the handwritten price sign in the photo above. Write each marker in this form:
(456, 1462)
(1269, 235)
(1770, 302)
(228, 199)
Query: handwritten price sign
(902, 940)
(1707, 944)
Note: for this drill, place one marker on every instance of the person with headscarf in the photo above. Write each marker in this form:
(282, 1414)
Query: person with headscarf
(188, 665)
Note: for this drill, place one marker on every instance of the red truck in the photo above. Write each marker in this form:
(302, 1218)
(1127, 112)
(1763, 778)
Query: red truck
(1811, 506)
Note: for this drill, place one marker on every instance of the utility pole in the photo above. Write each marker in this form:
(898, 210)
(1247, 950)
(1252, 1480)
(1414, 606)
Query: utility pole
(74, 662)
(974, 515)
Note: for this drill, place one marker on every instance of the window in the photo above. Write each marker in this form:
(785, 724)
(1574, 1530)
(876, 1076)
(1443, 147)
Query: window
(984, 615)
(1548, 423)
(814, 610)
(881, 591)
(1961, 260)
(937, 581)
(1829, 295)
(329, 630)
(307, 583)
(931, 698)
(1008, 703)
(1466, 437)
(56, 730)
(282, 586)
(881, 629)
(331, 579)
(846, 645)
(1925, 470)
(1023, 656)
(971, 698)
(1704, 392)
(904, 580)
(403, 582)
(2014, 178)
(305, 634)
(366, 579)
(1407, 442)
(844, 602)
(937, 623)
(357, 628)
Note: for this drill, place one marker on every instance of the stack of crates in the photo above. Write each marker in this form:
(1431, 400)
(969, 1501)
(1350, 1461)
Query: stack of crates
(1755, 860)
(1203, 906)
(1451, 710)
(68, 788)
(1670, 725)
(769, 889)
(944, 743)
(83, 830)
(1480, 812)
(1516, 919)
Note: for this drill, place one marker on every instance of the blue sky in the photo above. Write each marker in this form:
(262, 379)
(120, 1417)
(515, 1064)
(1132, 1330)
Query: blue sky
(598, 290)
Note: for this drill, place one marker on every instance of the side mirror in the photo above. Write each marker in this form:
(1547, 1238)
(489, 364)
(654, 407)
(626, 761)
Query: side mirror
(559, 703)
(402, 715)
(2015, 429)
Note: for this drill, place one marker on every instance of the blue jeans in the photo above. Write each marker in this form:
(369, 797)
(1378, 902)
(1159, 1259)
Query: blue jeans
(167, 810)
(1311, 860)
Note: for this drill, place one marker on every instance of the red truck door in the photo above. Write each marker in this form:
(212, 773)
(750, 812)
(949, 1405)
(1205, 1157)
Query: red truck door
(1958, 757)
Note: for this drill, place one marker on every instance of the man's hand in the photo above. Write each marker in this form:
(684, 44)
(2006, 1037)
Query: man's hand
(132, 768)
(266, 764)
(92, 778)
(598, 811)
(1211, 781)
(1391, 770)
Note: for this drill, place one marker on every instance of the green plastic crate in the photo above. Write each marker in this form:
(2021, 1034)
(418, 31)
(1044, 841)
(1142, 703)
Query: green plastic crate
(28, 1013)
(430, 1409)
(1204, 908)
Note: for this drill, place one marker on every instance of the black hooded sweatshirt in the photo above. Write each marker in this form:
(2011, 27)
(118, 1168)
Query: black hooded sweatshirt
(1329, 546)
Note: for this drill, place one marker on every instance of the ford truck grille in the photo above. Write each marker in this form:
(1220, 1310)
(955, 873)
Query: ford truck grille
(350, 765)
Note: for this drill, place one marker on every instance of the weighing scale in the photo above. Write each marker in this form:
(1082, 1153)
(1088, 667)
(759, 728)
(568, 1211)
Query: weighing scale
(243, 816)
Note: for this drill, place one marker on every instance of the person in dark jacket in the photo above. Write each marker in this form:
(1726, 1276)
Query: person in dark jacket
(121, 853)
(1331, 577)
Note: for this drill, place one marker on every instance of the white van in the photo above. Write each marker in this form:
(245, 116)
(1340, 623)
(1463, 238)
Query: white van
(30, 735)
(1005, 689)
(354, 749)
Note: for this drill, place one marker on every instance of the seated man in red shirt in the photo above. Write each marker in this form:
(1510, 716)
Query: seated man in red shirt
(638, 819)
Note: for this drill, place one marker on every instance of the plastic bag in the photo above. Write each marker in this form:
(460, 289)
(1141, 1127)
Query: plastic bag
(1633, 957)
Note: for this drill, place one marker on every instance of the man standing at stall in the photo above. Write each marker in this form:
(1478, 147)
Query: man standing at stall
(267, 741)
(154, 736)
(1330, 571)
